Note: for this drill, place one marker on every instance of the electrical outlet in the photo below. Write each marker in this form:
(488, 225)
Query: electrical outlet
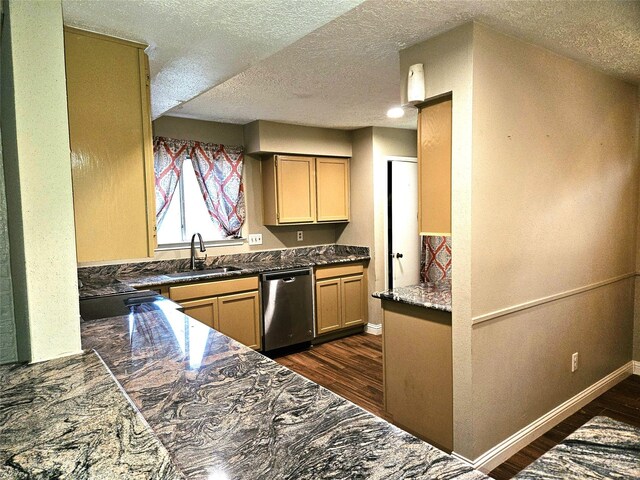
(300, 235)
(255, 239)
(574, 362)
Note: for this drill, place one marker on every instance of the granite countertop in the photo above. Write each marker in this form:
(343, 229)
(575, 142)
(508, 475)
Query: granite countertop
(223, 409)
(601, 448)
(427, 295)
(68, 418)
(108, 280)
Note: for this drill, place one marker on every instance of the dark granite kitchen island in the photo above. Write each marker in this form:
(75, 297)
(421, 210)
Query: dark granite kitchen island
(68, 418)
(222, 409)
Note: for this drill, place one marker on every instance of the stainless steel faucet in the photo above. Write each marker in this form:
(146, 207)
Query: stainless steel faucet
(195, 260)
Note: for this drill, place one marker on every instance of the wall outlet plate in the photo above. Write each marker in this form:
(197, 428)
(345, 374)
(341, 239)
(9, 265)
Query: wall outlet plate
(574, 362)
(255, 239)
(300, 235)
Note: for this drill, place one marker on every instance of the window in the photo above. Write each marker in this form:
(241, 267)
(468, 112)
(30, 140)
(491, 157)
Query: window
(187, 213)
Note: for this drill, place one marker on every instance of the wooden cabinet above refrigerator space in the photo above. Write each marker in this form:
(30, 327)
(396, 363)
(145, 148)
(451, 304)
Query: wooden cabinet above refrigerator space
(111, 147)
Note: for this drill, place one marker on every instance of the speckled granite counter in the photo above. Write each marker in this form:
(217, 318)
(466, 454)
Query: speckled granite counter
(221, 408)
(110, 279)
(601, 448)
(68, 418)
(427, 295)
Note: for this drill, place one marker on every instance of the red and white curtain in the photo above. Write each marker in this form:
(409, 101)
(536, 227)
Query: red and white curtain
(168, 157)
(218, 171)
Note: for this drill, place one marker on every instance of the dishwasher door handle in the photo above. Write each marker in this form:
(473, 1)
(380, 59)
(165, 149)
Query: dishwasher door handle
(286, 275)
(289, 279)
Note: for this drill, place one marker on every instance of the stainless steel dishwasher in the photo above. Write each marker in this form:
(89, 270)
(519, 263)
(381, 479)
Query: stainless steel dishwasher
(287, 308)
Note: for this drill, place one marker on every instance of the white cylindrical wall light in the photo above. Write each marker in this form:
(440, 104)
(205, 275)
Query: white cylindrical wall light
(415, 84)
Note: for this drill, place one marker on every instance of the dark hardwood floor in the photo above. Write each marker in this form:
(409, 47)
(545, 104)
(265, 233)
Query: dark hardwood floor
(621, 402)
(352, 368)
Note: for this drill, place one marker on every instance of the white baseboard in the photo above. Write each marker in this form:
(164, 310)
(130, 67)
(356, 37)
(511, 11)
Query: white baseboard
(636, 367)
(505, 449)
(373, 328)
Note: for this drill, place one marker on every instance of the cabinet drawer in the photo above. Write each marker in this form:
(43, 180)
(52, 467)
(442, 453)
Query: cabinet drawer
(212, 289)
(339, 271)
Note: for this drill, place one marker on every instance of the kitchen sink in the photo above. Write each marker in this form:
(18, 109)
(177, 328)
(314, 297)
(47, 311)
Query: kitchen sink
(198, 273)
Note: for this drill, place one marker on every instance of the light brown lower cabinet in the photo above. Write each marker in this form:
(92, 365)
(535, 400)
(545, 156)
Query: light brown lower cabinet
(418, 373)
(230, 306)
(328, 305)
(204, 310)
(341, 298)
(239, 318)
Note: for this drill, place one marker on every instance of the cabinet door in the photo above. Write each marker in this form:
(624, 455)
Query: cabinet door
(239, 318)
(296, 190)
(353, 301)
(434, 168)
(332, 185)
(418, 374)
(328, 305)
(203, 310)
(111, 152)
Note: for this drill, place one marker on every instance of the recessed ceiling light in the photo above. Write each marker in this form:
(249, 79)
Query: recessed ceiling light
(395, 112)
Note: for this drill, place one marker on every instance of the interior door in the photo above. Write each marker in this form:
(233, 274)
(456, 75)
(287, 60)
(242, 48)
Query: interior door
(403, 240)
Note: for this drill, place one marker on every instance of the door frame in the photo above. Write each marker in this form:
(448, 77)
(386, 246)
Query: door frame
(388, 237)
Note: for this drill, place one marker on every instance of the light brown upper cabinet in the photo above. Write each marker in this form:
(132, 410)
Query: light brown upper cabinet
(332, 175)
(111, 147)
(298, 190)
(434, 167)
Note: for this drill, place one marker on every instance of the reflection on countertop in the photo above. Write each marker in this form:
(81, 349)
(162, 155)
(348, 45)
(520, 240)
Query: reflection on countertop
(427, 295)
(221, 408)
(110, 279)
(68, 418)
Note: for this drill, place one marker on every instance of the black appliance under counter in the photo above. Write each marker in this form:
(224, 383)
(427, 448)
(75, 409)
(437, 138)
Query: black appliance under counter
(120, 304)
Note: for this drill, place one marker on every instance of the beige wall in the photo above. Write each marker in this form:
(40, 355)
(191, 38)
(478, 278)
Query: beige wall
(555, 182)
(38, 180)
(264, 136)
(360, 230)
(448, 68)
(387, 142)
(371, 147)
(545, 178)
(636, 323)
(272, 237)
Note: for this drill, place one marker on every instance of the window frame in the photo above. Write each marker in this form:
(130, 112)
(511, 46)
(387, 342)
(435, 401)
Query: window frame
(183, 227)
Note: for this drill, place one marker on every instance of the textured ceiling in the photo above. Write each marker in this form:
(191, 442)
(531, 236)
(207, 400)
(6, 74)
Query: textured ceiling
(343, 72)
(197, 44)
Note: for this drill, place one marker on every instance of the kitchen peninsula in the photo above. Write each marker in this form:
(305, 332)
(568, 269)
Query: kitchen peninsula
(417, 362)
(222, 409)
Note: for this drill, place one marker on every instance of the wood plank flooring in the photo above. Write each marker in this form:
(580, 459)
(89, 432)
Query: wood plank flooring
(352, 368)
(621, 402)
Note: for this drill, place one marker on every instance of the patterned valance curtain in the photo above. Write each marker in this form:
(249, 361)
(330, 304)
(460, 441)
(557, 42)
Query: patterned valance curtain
(219, 173)
(168, 157)
(218, 169)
